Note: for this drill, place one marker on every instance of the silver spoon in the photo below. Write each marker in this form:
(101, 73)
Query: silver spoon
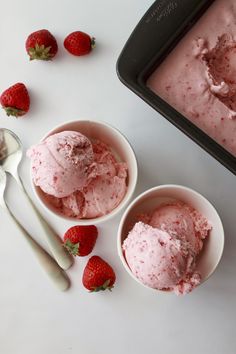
(53, 270)
(11, 153)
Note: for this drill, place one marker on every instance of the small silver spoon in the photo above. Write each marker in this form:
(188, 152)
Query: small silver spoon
(11, 153)
(56, 274)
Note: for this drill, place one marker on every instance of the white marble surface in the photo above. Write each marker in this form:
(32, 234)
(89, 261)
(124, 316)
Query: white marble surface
(35, 317)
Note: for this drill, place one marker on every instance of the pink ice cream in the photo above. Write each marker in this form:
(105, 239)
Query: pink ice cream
(162, 253)
(198, 78)
(60, 163)
(78, 178)
(105, 189)
(181, 220)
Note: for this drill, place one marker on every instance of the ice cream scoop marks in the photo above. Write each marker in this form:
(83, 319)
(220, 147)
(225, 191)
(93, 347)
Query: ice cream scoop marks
(220, 64)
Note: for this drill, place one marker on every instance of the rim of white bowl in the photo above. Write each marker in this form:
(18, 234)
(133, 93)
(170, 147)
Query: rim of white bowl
(126, 198)
(150, 190)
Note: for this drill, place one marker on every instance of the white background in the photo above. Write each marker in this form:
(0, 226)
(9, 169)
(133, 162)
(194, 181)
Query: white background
(35, 318)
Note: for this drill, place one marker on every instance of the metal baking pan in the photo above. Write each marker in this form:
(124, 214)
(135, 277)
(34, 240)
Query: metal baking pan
(160, 29)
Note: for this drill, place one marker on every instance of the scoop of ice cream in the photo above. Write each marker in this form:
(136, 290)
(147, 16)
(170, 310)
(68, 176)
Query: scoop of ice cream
(183, 222)
(162, 247)
(160, 260)
(60, 164)
(104, 191)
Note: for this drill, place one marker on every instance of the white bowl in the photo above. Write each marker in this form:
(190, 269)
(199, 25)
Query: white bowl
(150, 199)
(121, 149)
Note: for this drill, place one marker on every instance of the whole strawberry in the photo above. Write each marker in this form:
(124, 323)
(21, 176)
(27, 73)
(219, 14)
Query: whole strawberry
(80, 240)
(98, 275)
(41, 45)
(15, 100)
(79, 43)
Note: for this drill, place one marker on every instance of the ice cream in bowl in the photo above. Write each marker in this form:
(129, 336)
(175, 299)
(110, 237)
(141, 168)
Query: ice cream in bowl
(170, 239)
(83, 170)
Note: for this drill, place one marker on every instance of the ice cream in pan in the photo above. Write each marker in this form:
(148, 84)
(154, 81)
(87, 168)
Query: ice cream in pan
(198, 78)
(80, 178)
(162, 247)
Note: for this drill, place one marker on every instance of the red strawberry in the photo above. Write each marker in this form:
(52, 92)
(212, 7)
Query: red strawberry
(15, 100)
(80, 240)
(98, 275)
(79, 43)
(41, 45)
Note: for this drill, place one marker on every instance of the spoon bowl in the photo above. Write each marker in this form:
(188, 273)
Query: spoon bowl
(11, 151)
(3, 183)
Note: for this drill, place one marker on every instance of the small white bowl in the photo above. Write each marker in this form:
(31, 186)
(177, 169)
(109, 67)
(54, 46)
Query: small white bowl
(213, 247)
(122, 151)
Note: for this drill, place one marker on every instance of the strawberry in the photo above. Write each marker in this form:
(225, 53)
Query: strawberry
(80, 240)
(15, 100)
(98, 275)
(79, 43)
(41, 45)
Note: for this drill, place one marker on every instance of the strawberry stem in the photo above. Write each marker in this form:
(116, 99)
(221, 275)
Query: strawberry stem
(72, 248)
(93, 42)
(15, 112)
(40, 52)
(103, 287)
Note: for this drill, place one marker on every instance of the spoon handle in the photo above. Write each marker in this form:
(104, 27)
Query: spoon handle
(55, 273)
(60, 254)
